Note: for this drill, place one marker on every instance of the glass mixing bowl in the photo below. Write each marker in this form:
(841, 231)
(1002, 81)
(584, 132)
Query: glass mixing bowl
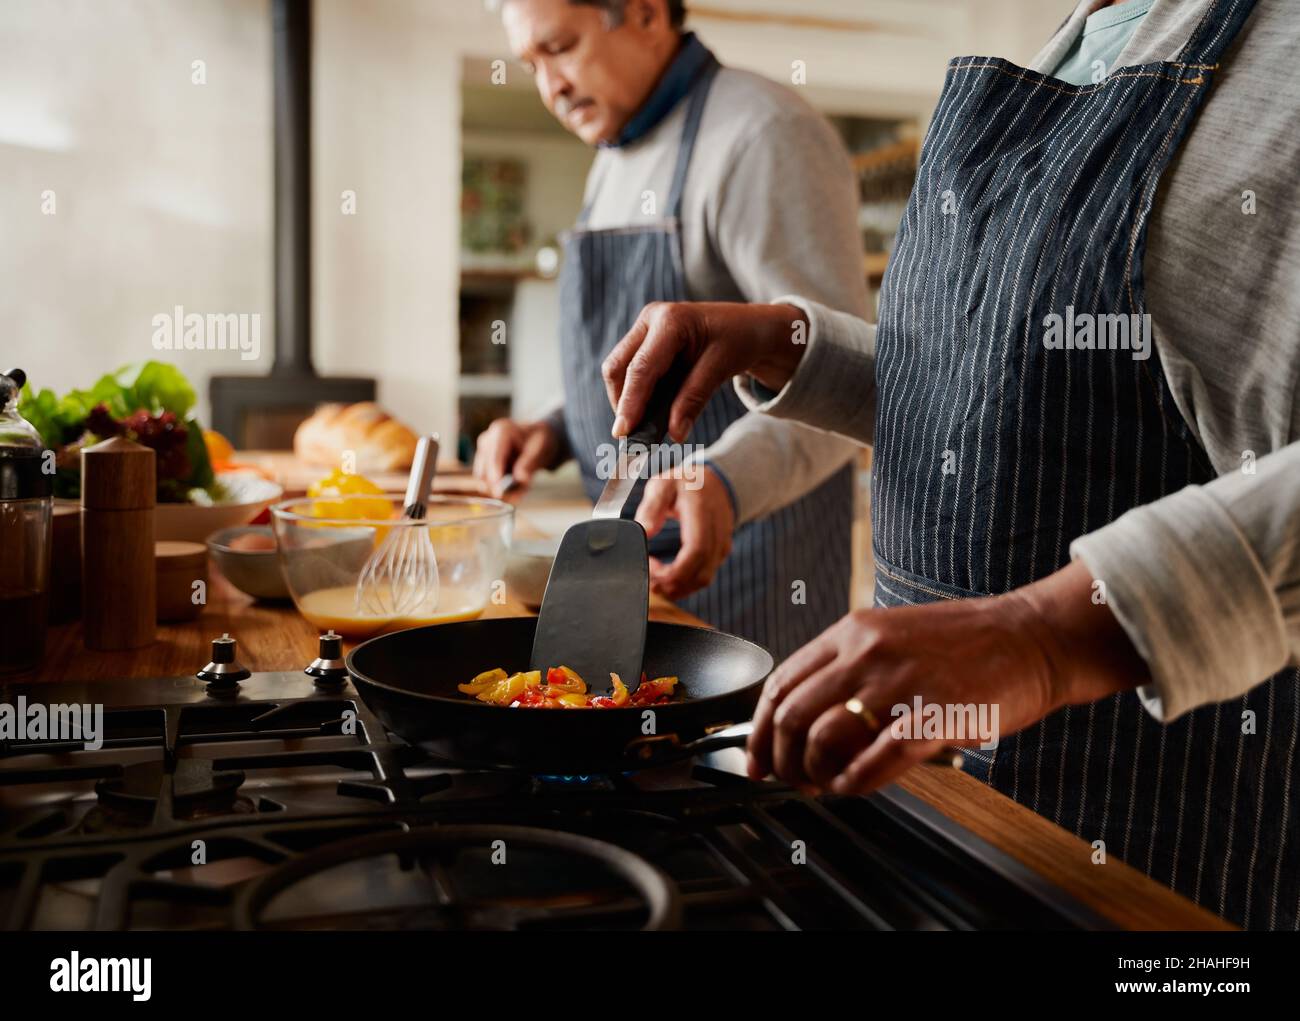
(325, 542)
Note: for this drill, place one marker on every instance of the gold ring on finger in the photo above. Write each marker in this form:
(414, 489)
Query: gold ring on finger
(856, 707)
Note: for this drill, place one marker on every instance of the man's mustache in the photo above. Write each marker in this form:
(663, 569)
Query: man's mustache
(564, 106)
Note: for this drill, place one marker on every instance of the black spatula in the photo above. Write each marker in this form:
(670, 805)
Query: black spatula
(593, 613)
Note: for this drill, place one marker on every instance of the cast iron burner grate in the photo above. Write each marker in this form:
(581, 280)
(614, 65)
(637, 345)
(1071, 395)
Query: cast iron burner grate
(438, 850)
(295, 810)
(195, 787)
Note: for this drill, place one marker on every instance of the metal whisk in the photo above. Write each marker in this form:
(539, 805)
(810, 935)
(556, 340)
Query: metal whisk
(402, 574)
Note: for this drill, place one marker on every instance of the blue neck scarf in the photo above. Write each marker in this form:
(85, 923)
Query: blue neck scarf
(692, 59)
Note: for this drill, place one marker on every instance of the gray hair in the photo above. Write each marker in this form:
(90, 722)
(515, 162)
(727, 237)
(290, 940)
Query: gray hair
(615, 10)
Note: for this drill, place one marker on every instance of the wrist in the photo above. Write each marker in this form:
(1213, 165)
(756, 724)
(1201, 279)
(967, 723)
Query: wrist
(552, 440)
(715, 476)
(782, 336)
(1090, 655)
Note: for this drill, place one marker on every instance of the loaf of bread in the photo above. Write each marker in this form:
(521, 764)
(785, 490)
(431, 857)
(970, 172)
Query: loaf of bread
(378, 441)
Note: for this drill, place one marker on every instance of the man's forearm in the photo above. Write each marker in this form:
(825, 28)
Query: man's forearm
(555, 419)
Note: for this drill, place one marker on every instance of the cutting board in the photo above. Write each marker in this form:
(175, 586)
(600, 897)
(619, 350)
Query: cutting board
(295, 476)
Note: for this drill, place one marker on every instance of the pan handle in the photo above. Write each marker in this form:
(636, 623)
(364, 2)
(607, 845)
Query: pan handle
(730, 736)
(670, 747)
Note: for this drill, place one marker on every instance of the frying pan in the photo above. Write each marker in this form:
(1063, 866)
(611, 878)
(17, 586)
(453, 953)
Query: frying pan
(408, 679)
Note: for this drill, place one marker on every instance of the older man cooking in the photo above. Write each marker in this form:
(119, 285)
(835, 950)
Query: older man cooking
(1143, 170)
(708, 184)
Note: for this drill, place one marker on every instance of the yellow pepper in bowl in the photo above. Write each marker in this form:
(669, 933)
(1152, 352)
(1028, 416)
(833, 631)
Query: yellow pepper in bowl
(351, 497)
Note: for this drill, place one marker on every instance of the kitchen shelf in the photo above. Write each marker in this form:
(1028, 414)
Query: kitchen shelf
(884, 160)
(874, 265)
(905, 152)
(507, 275)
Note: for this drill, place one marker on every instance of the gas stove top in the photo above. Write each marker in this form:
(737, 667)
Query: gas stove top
(287, 806)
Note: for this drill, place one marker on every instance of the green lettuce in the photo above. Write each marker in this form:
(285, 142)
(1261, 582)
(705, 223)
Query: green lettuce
(150, 386)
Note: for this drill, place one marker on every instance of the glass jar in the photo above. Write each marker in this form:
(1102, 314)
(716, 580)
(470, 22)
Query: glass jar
(26, 514)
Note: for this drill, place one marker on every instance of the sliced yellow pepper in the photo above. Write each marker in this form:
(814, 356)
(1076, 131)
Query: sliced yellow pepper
(572, 683)
(562, 689)
(620, 695)
(353, 497)
(572, 701)
(504, 692)
(482, 682)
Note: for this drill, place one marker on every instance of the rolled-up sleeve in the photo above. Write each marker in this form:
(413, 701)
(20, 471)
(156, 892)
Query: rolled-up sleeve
(1206, 583)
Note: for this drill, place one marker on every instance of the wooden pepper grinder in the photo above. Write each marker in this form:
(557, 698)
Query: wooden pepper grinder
(118, 580)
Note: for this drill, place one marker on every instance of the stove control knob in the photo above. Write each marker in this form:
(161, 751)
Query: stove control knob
(328, 669)
(225, 671)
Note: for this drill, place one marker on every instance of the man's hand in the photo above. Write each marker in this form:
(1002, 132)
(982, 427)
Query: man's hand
(719, 339)
(1028, 652)
(707, 522)
(517, 448)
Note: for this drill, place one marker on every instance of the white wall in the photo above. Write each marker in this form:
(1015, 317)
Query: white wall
(163, 187)
(386, 125)
(1015, 29)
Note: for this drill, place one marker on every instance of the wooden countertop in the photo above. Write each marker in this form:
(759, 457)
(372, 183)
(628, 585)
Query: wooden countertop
(275, 637)
(271, 636)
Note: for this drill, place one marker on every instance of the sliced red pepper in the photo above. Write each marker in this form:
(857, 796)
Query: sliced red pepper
(561, 684)
(651, 692)
(564, 680)
(529, 698)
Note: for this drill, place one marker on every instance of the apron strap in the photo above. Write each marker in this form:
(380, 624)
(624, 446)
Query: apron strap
(694, 111)
(1215, 32)
(694, 114)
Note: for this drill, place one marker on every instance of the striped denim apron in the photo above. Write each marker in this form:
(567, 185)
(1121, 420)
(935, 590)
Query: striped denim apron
(993, 451)
(787, 577)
